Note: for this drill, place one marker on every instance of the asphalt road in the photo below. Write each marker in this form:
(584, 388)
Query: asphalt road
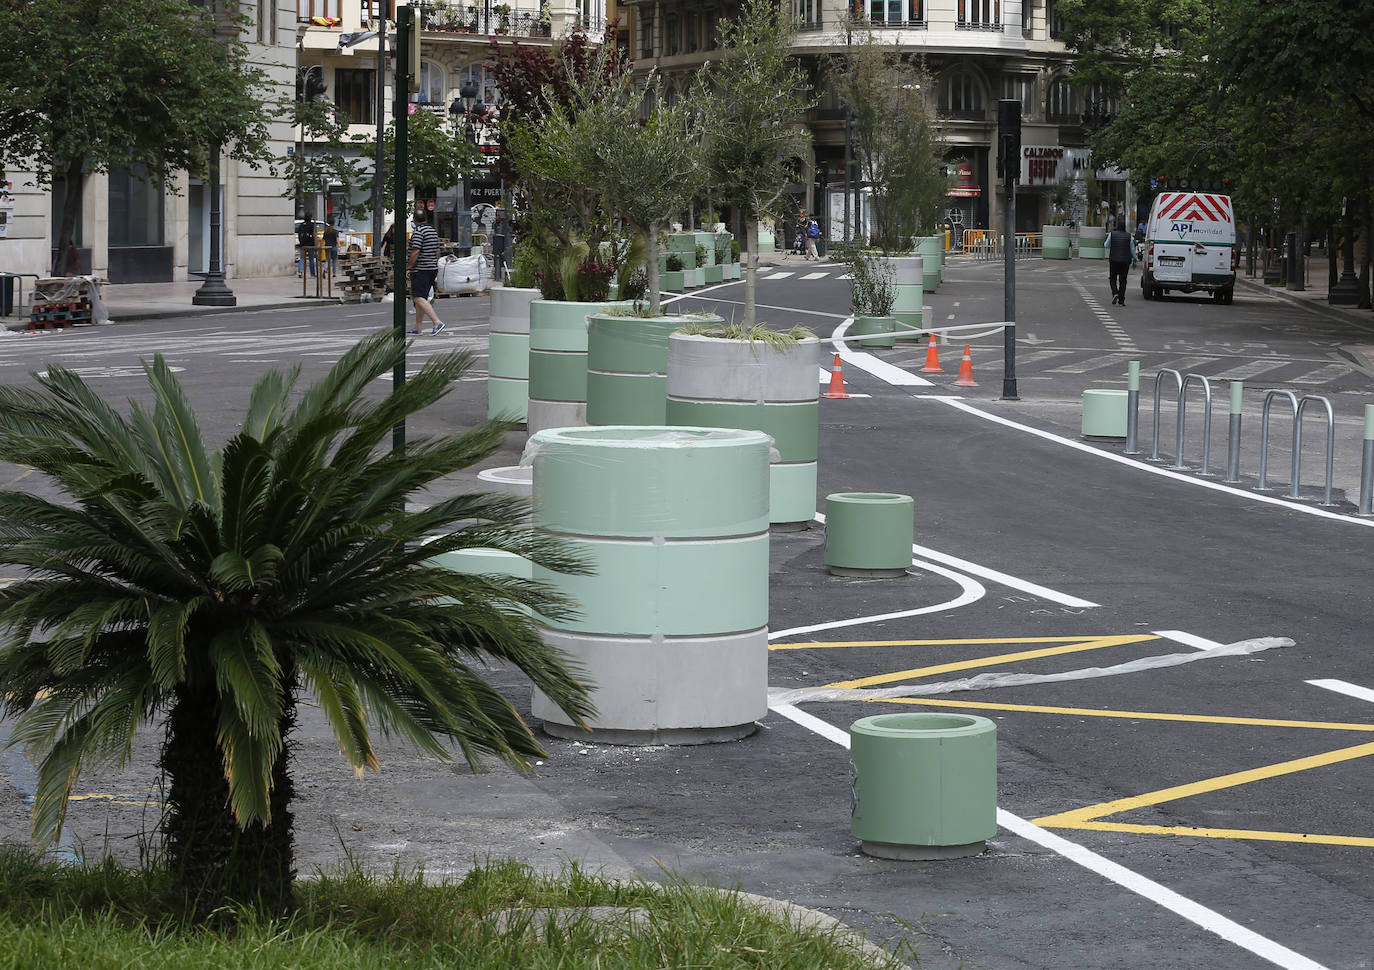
(1212, 814)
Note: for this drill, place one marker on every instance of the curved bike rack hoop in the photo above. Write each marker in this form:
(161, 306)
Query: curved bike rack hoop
(1330, 445)
(1264, 434)
(1154, 427)
(1206, 421)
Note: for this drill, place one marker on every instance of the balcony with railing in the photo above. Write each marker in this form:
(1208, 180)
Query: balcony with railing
(446, 16)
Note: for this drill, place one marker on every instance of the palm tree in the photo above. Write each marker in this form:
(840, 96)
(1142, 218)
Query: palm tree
(212, 591)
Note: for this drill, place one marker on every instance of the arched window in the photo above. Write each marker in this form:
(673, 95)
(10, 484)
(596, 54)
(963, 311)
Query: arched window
(487, 91)
(431, 83)
(1064, 104)
(961, 96)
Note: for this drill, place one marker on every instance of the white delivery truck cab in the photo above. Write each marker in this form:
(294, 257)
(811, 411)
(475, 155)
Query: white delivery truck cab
(1190, 246)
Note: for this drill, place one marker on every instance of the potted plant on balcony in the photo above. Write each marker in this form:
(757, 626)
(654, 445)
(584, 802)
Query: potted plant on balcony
(502, 13)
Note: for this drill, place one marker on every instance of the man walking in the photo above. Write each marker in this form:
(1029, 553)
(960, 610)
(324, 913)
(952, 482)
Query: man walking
(1120, 255)
(422, 266)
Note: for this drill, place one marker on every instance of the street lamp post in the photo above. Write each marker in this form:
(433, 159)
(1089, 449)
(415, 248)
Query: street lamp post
(214, 291)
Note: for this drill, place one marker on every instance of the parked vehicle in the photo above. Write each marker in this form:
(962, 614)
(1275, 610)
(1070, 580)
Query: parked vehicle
(1190, 246)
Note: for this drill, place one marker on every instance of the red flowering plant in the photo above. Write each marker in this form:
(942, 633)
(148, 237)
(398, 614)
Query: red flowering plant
(594, 280)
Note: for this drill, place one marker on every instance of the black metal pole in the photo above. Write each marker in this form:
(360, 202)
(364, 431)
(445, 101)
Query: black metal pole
(848, 156)
(1009, 139)
(378, 192)
(214, 292)
(400, 116)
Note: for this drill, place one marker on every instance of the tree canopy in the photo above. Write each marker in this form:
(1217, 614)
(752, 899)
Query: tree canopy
(99, 84)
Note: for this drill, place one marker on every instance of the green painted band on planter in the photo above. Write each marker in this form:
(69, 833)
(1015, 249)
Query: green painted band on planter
(508, 398)
(671, 279)
(631, 344)
(1055, 248)
(682, 242)
(794, 427)
(647, 482)
(883, 327)
(909, 299)
(932, 280)
(558, 376)
(792, 492)
(560, 324)
(718, 586)
(509, 355)
(713, 274)
(923, 780)
(869, 530)
(626, 398)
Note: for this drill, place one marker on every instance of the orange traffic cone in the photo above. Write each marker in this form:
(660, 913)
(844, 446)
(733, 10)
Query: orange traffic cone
(965, 378)
(932, 359)
(836, 388)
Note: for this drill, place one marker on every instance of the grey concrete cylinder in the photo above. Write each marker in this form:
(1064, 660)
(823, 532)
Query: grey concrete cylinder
(508, 361)
(725, 383)
(672, 631)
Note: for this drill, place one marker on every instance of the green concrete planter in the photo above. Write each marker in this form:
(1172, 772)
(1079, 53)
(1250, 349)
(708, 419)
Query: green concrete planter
(670, 280)
(508, 366)
(627, 367)
(713, 274)
(931, 249)
(1054, 242)
(875, 331)
(909, 280)
(738, 384)
(1092, 242)
(732, 271)
(869, 533)
(672, 628)
(1104, 413)
(558, 363)
(924, 785)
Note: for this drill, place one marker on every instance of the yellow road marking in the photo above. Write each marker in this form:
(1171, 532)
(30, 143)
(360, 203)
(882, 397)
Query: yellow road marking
(14, 481)
(1094, 643)
(1258, 835)
(1130, 715)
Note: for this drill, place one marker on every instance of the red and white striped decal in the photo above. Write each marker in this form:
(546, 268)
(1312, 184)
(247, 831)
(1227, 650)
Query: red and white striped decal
(1192, 205)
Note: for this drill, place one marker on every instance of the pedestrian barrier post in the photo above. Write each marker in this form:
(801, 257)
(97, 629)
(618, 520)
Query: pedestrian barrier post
(1233, 435)
(1132, 407)
(1367, 464)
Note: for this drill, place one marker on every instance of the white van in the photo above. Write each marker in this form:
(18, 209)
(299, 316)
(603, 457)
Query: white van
(1190, 246)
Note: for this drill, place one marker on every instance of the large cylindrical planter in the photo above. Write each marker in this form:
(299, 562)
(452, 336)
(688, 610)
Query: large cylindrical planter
(908, 279)
(931, 249)
(720, 383)
(924, 786)
(869, 533)
(508, 363)
(627, 367)
(1092, 242)
(1054, 242)
(558, 363)
(672, 632)
(875, 331)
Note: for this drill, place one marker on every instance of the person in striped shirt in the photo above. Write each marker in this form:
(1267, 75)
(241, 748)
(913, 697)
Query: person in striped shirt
(422, 266)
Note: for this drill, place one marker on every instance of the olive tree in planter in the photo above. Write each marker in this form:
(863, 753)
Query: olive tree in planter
(755, 132)
(900, 155)
(872, 297)
(759, 379)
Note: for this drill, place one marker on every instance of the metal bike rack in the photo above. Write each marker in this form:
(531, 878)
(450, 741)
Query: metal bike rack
(1206, 421)
(1298, 405)
(1154, 427)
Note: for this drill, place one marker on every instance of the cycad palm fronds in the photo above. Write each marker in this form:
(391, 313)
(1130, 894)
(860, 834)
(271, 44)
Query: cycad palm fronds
(232, 580)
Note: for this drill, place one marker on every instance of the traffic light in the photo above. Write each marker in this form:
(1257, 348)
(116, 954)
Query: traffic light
(1009, 140)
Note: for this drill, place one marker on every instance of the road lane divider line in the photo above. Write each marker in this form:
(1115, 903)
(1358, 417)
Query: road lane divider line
(1194, 912)
(962, 405)
(952, 642)
(1349, 690)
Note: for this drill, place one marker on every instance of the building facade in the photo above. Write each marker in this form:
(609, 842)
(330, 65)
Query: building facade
(977, 51)
(135, 230)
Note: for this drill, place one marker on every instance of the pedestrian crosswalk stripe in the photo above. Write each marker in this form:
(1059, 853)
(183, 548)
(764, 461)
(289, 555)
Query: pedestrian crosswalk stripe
(779, 276)
(814, 276)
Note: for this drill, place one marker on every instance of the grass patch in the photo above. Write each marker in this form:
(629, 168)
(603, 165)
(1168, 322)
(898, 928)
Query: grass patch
(501, 915)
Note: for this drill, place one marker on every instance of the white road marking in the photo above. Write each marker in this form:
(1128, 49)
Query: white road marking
(1322, 375)
(808, 276)
(1342, 687)
(778, 276)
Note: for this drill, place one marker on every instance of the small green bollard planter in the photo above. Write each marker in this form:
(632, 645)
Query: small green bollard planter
(868, 533)
(1104, 413)
(924, 786)
(875, 331)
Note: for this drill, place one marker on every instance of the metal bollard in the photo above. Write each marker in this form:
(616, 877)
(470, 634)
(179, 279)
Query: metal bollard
(1367, 464)
(1233, 435)
(1132, 406)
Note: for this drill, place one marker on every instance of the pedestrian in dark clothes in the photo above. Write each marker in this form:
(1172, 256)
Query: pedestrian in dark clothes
(1120, 256)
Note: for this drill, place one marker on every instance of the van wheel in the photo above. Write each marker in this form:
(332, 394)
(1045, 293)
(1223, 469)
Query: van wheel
(1227, 295)
(1146, 291)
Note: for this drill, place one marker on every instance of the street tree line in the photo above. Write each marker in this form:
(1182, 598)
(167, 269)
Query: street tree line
(1276, 98)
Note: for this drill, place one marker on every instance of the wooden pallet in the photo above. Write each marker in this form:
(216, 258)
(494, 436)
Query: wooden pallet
(363, 276)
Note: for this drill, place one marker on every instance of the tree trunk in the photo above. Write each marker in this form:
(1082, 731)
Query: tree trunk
(212, 860)
(68, 261)
(651, 269)
(1367, 227)
(751, 270)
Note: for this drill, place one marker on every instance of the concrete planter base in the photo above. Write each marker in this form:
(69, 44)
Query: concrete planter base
(868, 533)
(875, 331)
(1104, 413)
(1054, 242)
